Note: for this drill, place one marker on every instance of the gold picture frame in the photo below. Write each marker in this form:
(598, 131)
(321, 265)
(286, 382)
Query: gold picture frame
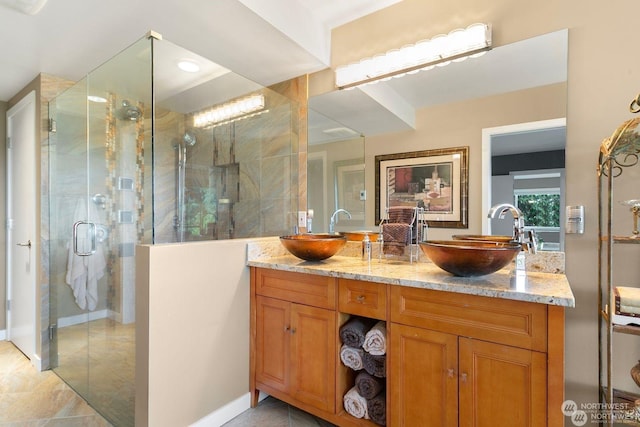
(436, 180)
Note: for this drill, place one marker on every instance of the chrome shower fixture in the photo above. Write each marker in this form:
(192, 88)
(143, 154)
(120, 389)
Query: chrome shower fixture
(189, 139)
(128, 111)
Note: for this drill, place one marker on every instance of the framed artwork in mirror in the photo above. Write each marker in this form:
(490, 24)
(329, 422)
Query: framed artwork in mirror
(436, 180)
(349, 187)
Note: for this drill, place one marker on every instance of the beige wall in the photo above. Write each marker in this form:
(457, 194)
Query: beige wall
(603, 78)
(194, 298)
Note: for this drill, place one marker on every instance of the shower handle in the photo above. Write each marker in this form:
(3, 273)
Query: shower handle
(92, 232)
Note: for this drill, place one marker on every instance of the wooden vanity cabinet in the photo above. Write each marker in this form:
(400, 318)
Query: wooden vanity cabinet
(452, 359)
(463, 360)
(423, 380)
(294, 340)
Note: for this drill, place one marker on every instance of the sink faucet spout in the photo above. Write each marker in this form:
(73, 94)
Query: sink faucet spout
(528, 239)
(518, 220)
(332, 223)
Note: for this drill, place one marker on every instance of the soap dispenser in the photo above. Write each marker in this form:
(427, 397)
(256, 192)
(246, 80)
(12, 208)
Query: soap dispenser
(366, 248)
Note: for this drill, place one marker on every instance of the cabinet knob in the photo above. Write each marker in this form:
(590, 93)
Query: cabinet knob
(463, 377)
(450, 372)
(360, 298)
(286, 329)
(293, 330)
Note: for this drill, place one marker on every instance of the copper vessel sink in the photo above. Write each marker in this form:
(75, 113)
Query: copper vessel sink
(470, 257)
(313, 247)
(483, 237)
(358, 236)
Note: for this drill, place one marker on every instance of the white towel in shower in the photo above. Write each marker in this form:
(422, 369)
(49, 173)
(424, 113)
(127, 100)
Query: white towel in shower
(83, 272)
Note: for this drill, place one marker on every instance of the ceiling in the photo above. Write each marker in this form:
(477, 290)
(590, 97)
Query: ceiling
(266, 42)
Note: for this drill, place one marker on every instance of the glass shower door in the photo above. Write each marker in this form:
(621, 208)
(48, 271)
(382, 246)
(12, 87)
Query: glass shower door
(98, 167)
(69, 347)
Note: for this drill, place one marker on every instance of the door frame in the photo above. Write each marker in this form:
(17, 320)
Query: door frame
(30, 98)
(487, 135)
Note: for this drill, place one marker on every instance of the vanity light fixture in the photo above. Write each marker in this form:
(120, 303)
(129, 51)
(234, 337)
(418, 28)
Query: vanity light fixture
(458, 45)
(234, 110)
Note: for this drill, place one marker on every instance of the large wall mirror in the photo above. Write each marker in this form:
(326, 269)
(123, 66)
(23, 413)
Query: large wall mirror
(335, 174)
(514, 90)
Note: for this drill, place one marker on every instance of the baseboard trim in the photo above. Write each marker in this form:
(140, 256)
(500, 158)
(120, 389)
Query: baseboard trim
(82, 318)
(227, 412)
(36, 362)
(3, 334)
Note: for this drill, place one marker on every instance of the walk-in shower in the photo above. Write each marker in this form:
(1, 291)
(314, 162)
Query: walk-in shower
(131, 169)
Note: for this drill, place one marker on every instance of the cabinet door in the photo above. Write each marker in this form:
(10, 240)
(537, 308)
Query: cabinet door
(272, 342)
(313, 356)
(501, 385)
(423, 381)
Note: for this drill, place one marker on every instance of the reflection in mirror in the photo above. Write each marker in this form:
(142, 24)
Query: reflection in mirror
(335, 174)
(527, 170)
(531, 71)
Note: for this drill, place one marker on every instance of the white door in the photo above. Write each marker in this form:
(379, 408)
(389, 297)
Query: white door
(21, 225)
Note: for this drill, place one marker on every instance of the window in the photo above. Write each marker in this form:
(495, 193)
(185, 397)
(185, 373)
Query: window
(540, 207)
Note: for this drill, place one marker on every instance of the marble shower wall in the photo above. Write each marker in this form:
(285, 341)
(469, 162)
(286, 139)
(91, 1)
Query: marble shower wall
(241, 177)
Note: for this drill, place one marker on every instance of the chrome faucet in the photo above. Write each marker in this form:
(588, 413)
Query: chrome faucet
(332, 223)
(530, 241)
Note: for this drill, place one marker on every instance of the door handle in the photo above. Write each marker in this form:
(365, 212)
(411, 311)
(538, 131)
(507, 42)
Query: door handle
(28, 244)
(92, 233)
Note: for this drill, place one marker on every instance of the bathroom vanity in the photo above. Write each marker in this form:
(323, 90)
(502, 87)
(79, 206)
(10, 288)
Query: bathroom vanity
(460, 351)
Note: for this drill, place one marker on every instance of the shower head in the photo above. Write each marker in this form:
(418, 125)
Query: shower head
(189, 139)
(128, 111)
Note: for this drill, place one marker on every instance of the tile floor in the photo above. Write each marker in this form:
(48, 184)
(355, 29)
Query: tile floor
(29, 398)
(275, 413)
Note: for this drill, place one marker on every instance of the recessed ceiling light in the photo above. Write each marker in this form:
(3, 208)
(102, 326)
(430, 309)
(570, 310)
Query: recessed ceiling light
(94, 98)
(188, 66)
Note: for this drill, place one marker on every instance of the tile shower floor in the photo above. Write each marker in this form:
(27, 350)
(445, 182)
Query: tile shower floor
(103, 353)
(29, 398)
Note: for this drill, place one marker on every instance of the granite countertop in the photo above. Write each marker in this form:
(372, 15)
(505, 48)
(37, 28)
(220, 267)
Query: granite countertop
(536, 286)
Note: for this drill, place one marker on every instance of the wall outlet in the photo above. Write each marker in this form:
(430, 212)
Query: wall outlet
(302, 219)
(363, 195)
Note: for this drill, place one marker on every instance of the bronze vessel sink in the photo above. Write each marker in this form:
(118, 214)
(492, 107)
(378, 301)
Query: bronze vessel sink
(470, 257)
(482, 237)
(313, 247)
(358, 236)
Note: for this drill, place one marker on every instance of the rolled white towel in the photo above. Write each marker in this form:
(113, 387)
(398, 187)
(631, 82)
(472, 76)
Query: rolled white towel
(375, 341)
(351, 357)
(355, 404)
